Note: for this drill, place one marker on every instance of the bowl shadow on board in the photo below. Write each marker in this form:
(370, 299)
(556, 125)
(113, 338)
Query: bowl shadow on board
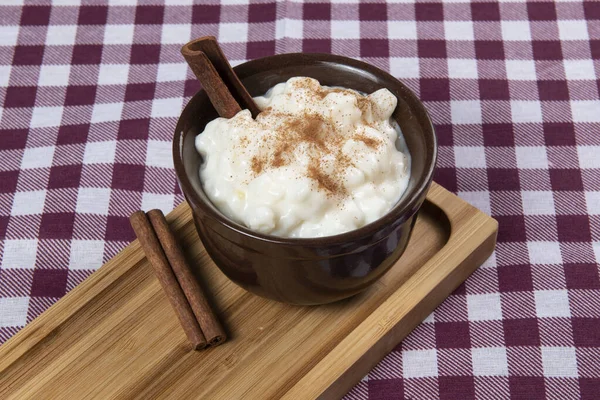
(319, 270)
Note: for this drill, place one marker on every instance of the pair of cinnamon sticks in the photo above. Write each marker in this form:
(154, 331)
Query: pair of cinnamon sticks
(177, 280)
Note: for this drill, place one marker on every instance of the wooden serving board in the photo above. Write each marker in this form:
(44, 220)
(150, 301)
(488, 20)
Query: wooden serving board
(116, 336)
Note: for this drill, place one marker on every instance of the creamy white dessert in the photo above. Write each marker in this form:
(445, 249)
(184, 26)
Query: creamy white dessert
(317, 161)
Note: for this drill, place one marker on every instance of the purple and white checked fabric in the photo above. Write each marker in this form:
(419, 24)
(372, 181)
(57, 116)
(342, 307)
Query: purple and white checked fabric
(90, 92)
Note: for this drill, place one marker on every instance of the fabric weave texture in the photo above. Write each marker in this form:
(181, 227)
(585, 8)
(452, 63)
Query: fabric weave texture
(90, 92)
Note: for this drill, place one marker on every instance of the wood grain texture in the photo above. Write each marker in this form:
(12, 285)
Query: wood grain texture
(115, 335)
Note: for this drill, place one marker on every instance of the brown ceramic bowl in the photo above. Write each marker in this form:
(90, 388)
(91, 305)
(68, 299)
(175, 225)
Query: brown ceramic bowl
(319, 270)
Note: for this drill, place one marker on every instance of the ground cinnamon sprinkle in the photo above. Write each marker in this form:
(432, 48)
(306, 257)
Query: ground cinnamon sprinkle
(322, 93)
(278, 157)
(364, 104)
(342, 160)
(311, 132)
(257, 165)
(324, 180)
(369, 141)
(310, 129)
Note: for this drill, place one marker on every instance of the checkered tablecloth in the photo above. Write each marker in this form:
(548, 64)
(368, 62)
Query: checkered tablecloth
(90, 92)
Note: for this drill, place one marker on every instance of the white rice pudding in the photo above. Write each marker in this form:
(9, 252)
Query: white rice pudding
(317, 161)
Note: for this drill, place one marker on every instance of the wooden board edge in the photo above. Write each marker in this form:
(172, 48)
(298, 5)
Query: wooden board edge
(390, 339)
(42, 328)
(386, 326)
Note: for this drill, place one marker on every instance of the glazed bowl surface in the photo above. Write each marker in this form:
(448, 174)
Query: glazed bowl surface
(313, 270)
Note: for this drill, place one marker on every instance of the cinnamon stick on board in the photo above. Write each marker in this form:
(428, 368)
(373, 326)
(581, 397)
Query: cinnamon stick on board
(211, 328)
(154, 253)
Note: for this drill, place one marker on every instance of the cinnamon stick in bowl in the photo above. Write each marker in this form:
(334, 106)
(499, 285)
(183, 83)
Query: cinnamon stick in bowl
(222, 85)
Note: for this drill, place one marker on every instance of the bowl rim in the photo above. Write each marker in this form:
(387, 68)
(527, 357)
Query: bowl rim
(405, 206)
